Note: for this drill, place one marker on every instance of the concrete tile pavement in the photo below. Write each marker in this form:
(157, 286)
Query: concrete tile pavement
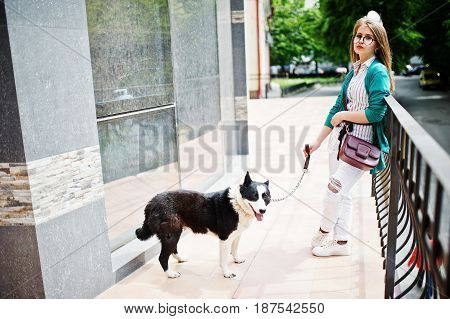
(278, 263)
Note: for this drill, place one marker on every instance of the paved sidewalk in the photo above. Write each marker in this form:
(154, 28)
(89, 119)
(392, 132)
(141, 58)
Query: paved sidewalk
(278, 263)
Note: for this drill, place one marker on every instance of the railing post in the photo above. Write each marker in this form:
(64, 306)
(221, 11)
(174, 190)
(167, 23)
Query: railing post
(394, 196)
(373, 183)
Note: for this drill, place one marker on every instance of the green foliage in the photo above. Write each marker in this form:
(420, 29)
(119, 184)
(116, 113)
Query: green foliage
(435, 26)
(414, 27)
(295, 32)
(285, 83)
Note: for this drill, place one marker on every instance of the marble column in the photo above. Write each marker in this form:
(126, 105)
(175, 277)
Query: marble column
(53, 233)
(233, 86)
(239, 75)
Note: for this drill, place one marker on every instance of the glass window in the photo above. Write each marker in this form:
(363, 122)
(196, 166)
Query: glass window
(131, 60)
(196, 65)
(130, 55)
(139, 160)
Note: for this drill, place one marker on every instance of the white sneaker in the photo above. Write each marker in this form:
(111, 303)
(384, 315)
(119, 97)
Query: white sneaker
(332, 248)
(320, 239)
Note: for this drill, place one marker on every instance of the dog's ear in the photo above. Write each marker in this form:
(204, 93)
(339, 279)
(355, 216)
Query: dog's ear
(247, 179)
(267, 183)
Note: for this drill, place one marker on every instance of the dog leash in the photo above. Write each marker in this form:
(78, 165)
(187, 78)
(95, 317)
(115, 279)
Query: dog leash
(305, 170)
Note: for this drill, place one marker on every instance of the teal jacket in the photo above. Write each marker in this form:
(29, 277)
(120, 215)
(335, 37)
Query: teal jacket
(377, 85)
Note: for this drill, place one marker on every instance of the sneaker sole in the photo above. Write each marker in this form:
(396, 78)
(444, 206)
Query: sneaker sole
(329, 255)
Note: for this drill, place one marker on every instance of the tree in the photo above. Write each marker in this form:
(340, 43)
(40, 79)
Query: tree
(435, 27)
(295, 32)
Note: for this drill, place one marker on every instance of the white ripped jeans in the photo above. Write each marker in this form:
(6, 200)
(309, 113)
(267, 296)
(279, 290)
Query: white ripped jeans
(337, 213)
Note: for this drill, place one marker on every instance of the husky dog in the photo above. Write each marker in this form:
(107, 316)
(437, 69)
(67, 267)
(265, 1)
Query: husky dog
(225, 213)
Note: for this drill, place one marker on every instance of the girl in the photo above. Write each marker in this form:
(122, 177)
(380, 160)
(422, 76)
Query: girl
(365, 87)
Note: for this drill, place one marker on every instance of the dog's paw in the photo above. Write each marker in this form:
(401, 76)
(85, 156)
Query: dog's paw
(172, 274)
(229, 274)
(180, 258)
(239, 260)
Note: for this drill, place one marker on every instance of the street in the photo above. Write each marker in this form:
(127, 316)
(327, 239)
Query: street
(431, 108)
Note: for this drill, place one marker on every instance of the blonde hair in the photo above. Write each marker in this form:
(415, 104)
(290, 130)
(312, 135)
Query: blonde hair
(383, 51)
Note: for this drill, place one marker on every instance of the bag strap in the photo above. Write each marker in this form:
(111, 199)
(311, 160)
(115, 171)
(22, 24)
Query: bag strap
(342, 133)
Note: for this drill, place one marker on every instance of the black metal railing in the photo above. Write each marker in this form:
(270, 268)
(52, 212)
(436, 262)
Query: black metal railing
(413, 210)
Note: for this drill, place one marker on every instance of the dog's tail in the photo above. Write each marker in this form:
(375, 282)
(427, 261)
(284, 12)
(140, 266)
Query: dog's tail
(144, 232)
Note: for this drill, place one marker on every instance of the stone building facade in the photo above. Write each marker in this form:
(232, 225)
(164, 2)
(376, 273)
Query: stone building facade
(102, 105)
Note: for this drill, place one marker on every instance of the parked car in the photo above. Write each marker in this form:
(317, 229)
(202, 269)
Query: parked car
(275, 69)
(305, 69)
(288, 69)
(341, 70)
(413, 70)
(329, 69)
(299, 70)
(429, 78)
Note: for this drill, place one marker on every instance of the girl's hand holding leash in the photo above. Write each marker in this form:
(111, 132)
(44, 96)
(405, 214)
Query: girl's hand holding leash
(312, 147)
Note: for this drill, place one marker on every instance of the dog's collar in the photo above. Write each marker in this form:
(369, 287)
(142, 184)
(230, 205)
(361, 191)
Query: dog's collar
(238, 202)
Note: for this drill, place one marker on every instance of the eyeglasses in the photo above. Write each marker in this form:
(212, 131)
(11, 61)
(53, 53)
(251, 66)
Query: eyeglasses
(367, 40)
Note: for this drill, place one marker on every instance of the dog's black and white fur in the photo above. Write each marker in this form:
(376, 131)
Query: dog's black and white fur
(225, 213)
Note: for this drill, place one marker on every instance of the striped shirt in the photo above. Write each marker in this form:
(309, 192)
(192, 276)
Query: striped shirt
(357, 100)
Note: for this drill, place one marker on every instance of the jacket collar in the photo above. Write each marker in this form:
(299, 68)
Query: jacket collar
(367, 63)
(373, 62)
